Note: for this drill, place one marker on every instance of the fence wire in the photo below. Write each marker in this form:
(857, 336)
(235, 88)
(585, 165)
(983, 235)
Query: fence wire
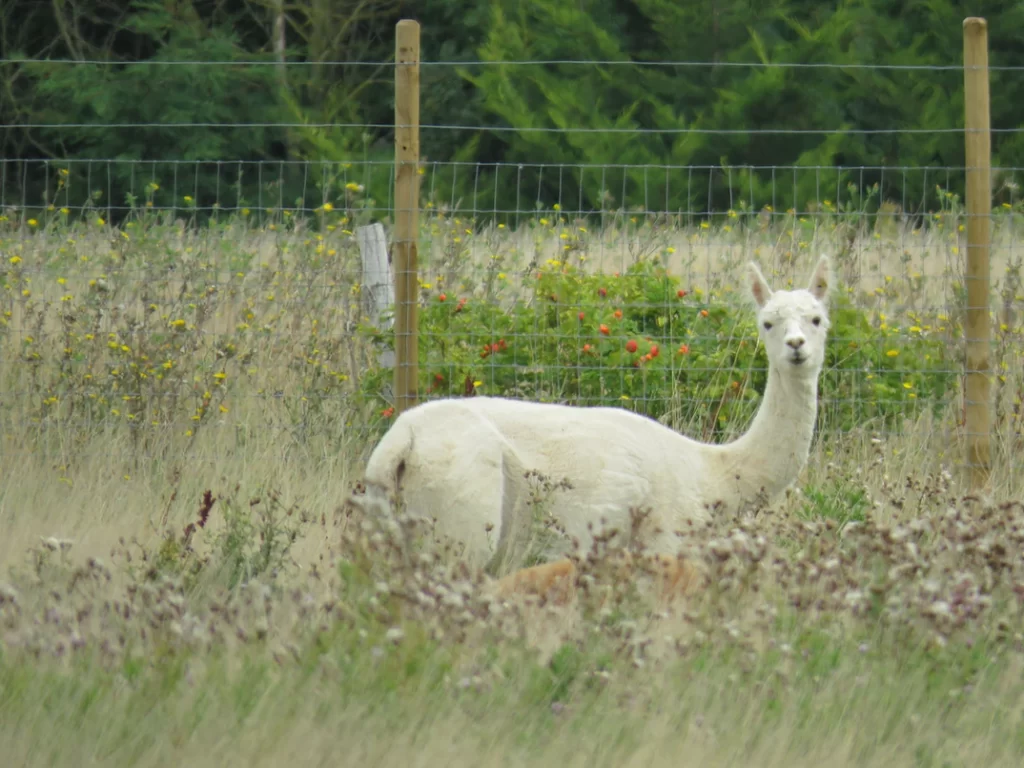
(178, 312)
(156, 304)
(468, 63)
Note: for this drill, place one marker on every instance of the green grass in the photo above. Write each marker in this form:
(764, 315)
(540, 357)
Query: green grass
(838, 501)
(180, 584)
(823, 699)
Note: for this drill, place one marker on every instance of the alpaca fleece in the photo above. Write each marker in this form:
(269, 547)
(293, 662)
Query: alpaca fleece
(463, 462)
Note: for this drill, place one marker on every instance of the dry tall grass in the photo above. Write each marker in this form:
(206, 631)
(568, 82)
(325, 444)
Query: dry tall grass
(871, 617)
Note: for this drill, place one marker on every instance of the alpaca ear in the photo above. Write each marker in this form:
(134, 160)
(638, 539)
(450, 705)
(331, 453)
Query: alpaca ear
(759, 287)
(821, 280)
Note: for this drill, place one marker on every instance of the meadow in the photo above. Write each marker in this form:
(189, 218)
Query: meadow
(184, 407)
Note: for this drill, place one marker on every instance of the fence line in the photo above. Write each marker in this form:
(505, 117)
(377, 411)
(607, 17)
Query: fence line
(924, 246)
(520, 268)
(405, 242)
(978, 328)
(510, 129)
(32, 185)
(517, 63)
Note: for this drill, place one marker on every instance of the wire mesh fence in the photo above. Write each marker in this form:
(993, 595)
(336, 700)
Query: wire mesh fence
(162, 302)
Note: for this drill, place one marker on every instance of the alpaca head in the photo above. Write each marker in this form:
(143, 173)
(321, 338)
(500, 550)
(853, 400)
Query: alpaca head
(793, 324)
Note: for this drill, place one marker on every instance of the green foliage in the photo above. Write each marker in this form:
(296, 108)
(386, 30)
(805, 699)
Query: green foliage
(230, 103)
(252, 538)
(256, 538)
(777, 121)
(554, 682)
(840, 501)
(627, 96)
(642, 341)
(733, 132)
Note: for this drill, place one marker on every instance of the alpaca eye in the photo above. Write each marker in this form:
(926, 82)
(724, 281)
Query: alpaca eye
(767, 325)
(816, 321)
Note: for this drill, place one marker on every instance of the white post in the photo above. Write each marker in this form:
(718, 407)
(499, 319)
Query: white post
(378, 285)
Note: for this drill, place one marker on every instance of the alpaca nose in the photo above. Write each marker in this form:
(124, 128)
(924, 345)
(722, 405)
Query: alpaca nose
(795, 342)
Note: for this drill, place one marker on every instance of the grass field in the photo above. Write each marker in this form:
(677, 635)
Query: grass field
(183, 412)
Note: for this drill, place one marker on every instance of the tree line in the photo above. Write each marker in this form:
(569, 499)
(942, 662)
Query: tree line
(744, 128)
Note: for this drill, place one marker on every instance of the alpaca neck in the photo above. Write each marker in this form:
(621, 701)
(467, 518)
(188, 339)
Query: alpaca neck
(775, 448)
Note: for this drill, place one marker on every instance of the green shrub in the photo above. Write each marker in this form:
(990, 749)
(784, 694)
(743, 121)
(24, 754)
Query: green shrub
(642, 341)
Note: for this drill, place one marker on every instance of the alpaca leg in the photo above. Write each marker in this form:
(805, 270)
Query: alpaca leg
(515, 520)
(461, 487)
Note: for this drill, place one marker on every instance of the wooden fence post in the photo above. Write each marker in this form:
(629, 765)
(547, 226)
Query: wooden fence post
(407, 202)
(978, 328)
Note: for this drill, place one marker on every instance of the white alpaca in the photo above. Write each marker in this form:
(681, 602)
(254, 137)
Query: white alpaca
(462, 461)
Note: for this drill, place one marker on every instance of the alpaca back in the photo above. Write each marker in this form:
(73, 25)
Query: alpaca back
(462, 460)
(559, 440)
